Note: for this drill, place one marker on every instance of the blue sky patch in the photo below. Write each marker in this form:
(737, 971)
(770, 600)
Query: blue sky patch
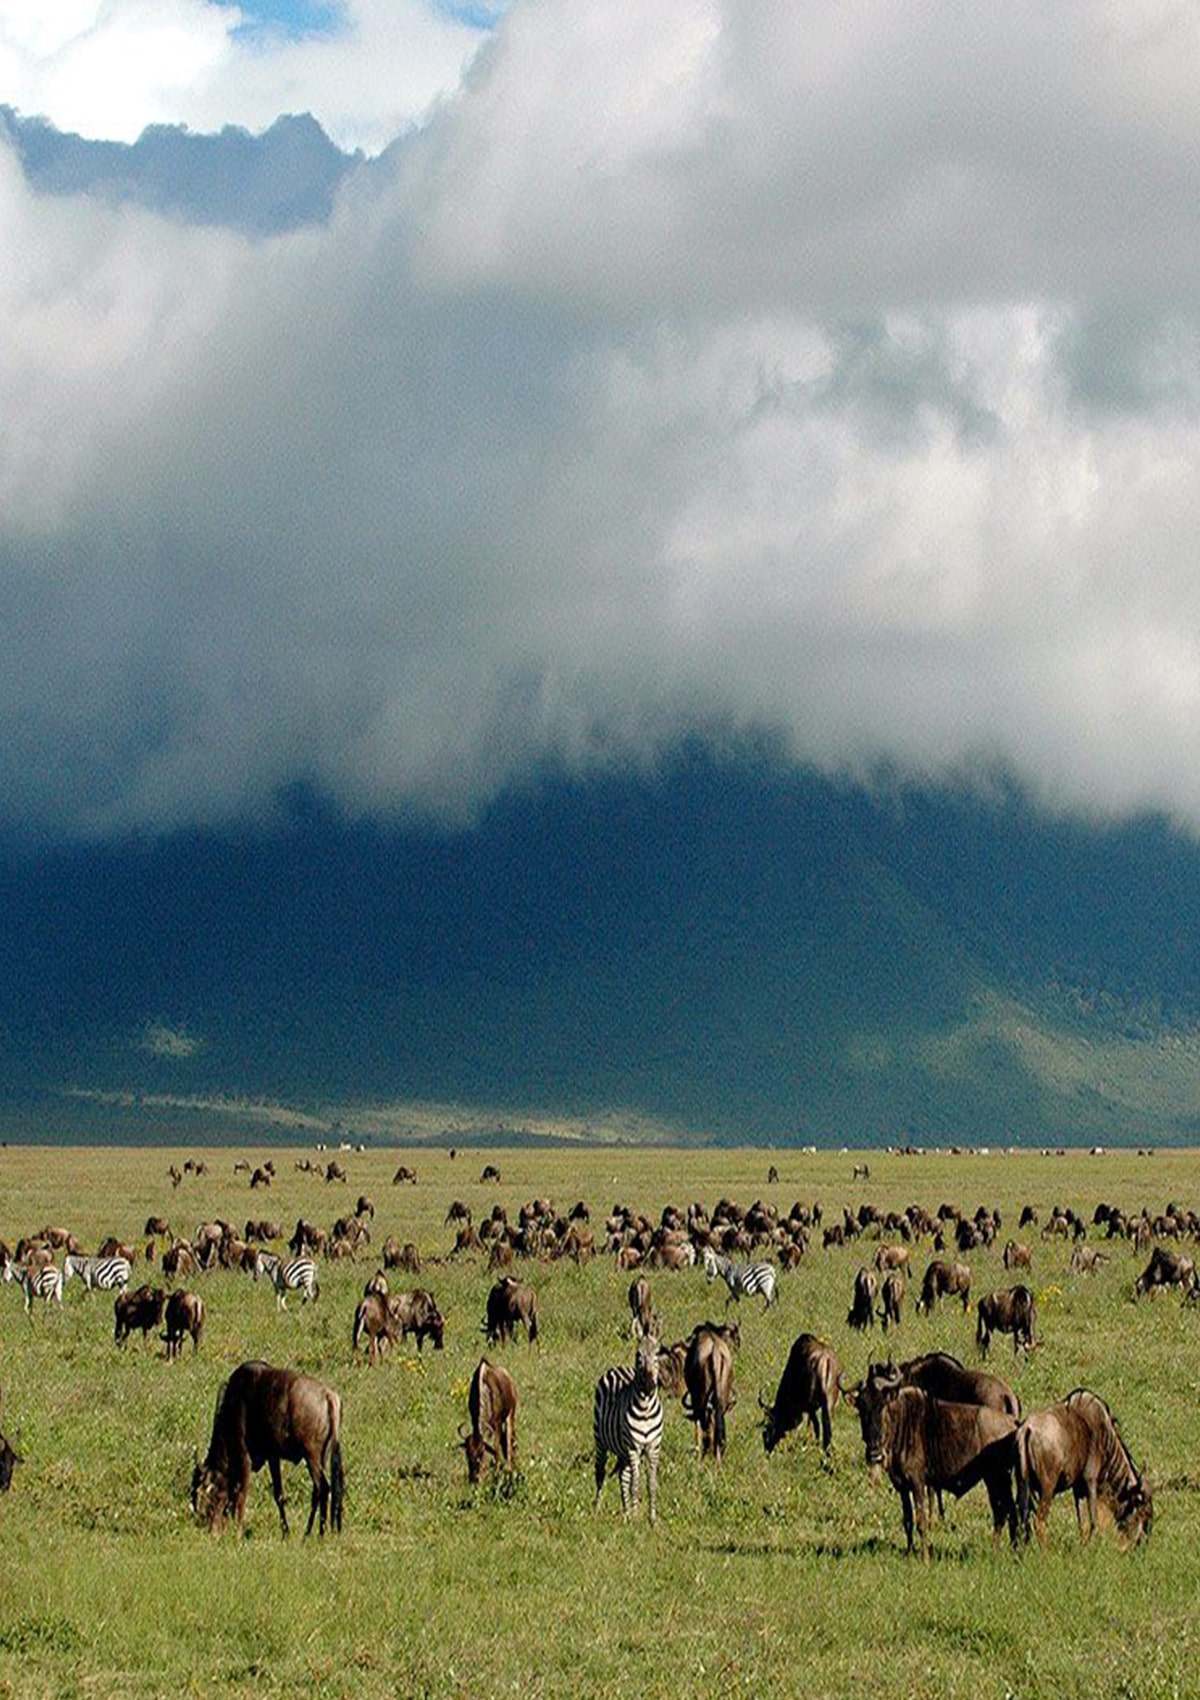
(293, 19)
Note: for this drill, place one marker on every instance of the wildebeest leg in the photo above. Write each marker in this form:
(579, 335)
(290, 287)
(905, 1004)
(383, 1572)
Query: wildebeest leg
(277, 1490)
(319, 1501)
(826, 1427)
(906, 1511)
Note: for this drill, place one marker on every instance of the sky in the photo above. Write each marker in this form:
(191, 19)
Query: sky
(710, 368)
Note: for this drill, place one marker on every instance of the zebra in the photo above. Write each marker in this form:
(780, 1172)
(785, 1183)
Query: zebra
(741, 1277)
(297, 1275)
(44, 1283)
(627, 1421)
(98, 1274)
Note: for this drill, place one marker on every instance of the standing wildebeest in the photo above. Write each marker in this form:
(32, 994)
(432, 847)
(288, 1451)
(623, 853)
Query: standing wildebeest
(708, 1377)
(9, 1459)
(862, 1306)
(1008, 1311)
(268, 1416)
(891, 1296)
(184, 1315)
(141, 1309)
(926, 1445)
(627, 1420)
(944, 1377)
(1017, 1256)
(374, 1319)
(942, 1280)
(808, 1388)
(509, 1302)
(417, 1313)
(1076, 1444)
(492, 1408)
(641, 1307)
(1165, 1269)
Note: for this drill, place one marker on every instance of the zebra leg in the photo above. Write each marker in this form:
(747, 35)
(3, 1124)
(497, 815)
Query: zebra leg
(652, 1485)
(601, 1461)
(632, 1473)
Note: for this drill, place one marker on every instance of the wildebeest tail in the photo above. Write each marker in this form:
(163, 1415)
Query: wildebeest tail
(337, 1487)
(1021, 1445)
(718, 1423)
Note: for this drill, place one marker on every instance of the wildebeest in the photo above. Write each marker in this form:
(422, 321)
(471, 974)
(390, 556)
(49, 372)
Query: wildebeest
(1077, 1445)
(271, 1416)
(509, 1302)
(927, 1445)
(140, 1309)
(9, 1459)
(373, 1319)
(397, 1256)
(1017, 1256)
(891, 1299)
(942, 1280)
(184, 1315)
(808, 1388)
(862, 1306)
(417, 1313)
(334, 1171)
(1007, 1311)
(943, 1376)
(708, 1379)
(404, 1175)
(1165, 1269)
(492, 1408)
(1087, 1259)
(641, 1307)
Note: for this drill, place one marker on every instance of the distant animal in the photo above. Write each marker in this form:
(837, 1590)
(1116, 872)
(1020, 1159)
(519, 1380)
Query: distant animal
(141, 1309)
(404, 1176)
(891, 1300)
(892, 1257)
(741, 1278)
(641, 1307)
(98, 1274)
(943, 1279)
(772, 1175)
(184, 1315)
(808, 1387)
(1017, 1256)
(271, 1416)
(627, 1422)
(37, 1281)
(1087, 1259)
(1007, 1311)
(335, 1172)
(1165, 1269)
(708, 1379)
(927, 1445)
(862, 1306)
(417, 1313)
(157, 1227)
(373, 1321)
(492, 1410)
(511, 1302)
(1076, 1446)
(365, 1206)
(397, 1256)
(862, 1171)
(295, 1275)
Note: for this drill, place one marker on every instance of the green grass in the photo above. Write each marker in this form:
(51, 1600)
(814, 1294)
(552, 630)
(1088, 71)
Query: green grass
(773, 1576)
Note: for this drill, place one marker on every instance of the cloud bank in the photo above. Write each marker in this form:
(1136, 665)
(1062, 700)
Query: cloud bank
(717, 371)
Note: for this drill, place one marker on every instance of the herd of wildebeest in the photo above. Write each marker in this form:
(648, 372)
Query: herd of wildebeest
(931, 1424)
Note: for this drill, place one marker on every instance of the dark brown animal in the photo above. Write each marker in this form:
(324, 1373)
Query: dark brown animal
(510, 1302)
(1017, 1256)
(1165, 1269)
(184, 1315)
(417, 1313)
(492, 1408)
(944, 1377)
(891, 1300)
(1076, 1445)
(927, 1445)
(9, 1459)
(862, 1305)
(179, 1260)
(404, 1175)
(373, 1319)
(1008, 1311)
(809, 1388)
(708, 1382)
(157, 1225)
(642, 1308)
(335, 1172)
(944, 1280)
(140, 1309)
(271, 1416)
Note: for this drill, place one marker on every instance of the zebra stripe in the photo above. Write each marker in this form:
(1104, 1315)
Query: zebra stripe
(44, 1283)
(748, 1278)
(297, 1275)
(627, 1420)
(98, 1274)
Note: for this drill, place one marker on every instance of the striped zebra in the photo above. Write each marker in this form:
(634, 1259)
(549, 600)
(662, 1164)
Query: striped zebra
(44, 1282)
(297, 1275)
(627, 1421)
(98, 1274)
(741, 1277)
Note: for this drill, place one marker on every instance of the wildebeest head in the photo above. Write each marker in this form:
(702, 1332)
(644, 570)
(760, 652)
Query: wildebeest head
(770, 1427)
(1134, 1511)
(476, 1449)
(210, 1496)
(870, 1399)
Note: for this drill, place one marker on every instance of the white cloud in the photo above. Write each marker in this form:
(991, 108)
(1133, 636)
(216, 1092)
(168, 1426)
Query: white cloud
(725, 374)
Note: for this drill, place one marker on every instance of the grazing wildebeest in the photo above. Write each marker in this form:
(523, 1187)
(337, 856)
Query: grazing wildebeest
(141, 1309)
(509, 1302)
(891, 1297)
(490, 1173)
(9, 1459)
(862, 1306)
(708, 1378)
(1087, 1259)
(1165, 1269)
(809, 1388)
(271, 1416)
(373, 1318)
(397, 1256)
(179, 1260)
(892, 1257)
(365, 1206)
(184, 1315)
(404, 1175)
(942, 1280)
(492, 1408)
(335, 1172)
(927, 1445)
(417, 1313)
(1007, 1311)
(1077, 1445)
(627, 1420)
(1017, 1256)
(157, 1227)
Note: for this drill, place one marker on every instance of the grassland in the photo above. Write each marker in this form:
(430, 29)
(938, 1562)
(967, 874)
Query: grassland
(775, 1576)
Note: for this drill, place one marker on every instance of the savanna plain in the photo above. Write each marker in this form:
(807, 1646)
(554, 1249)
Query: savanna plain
(773, 1575)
